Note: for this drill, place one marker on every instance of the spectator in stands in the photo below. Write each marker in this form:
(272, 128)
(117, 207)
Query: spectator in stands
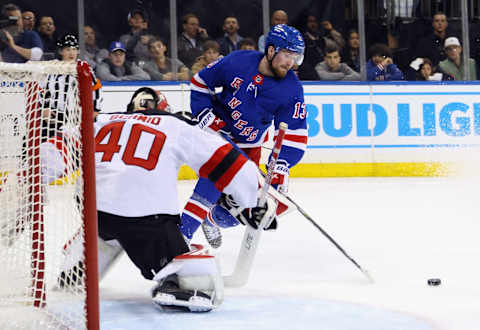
(161, 67)
(453, 65)
(231, 39)
(278, 17)
(380, 66)
(117, 68)
(317, 37)
(431, 46)
(28, 18)
(93, 53)
(191, 40)
(422, 69)
(247, 44)
(46, 30)
(17, 45)
(351, 53)
(137, 39)
(210, 54)
(332, 68)
(332, 37)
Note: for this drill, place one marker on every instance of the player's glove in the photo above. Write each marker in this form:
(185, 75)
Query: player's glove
(254, 216)
(208, 121)
(280, 176)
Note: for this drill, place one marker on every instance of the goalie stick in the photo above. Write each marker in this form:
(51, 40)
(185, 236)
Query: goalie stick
(251, 238)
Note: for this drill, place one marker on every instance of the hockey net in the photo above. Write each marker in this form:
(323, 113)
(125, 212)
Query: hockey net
(47, 225)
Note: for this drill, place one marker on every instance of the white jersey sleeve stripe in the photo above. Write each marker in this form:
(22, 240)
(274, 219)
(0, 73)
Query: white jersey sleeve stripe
(197, 84)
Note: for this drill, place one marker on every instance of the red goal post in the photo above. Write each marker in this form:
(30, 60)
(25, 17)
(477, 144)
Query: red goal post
(48, 223)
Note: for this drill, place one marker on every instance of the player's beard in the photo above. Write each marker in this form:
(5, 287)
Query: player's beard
(278, 73)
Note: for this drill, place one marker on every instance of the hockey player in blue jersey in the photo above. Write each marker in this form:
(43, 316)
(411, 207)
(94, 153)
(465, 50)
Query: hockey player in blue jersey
(257, 89)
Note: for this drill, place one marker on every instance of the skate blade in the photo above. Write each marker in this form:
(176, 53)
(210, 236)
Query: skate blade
(168, 302)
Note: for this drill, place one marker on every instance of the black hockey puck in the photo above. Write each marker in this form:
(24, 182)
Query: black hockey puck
(434, 281)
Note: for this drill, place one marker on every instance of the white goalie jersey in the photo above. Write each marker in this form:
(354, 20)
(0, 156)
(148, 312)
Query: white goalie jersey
(138, 156)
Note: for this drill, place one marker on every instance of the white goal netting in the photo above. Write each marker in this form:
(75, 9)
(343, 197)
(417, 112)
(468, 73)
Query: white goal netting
(42, 251)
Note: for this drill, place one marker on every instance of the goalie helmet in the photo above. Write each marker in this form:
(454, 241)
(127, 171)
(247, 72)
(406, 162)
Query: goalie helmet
(282, 36)
(144, 98)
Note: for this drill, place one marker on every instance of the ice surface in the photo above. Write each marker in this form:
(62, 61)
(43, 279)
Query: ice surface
(402, 230)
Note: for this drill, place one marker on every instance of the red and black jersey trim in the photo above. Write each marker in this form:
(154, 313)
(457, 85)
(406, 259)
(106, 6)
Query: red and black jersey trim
(222, 166)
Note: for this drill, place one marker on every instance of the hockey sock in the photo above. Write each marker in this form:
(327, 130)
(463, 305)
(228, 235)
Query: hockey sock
(194, 213)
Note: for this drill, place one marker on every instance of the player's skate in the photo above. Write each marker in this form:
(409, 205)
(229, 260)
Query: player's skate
(168, 296)
(212, 234)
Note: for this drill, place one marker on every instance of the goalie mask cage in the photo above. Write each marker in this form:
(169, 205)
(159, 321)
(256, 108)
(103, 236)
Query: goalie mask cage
(48, 224)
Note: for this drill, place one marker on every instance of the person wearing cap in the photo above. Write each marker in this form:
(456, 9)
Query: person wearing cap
(453, 65)
(55, 100)
(116, 68)
(136, 41)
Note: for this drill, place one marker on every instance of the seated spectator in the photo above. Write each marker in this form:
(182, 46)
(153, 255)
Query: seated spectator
(231, 39)
(422, 69)
(247, 44)
(278, 17)
(380, 66)
(160, 67)
(332, 69)
(28, 18)
(17, 45)
(191, 40)
(317, 37)
(137, 39)
(116, 68)
(93, 53)
(210, 54)
(431, 46)
(351, 53)
(46, 30)
(453, 65)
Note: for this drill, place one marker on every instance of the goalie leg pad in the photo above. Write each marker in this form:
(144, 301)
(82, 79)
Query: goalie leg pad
(197, 284)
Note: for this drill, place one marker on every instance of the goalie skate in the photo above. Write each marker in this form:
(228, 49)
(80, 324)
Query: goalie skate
(168, 296)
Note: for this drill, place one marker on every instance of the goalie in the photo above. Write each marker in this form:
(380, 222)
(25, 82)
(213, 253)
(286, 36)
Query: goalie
(138, 155)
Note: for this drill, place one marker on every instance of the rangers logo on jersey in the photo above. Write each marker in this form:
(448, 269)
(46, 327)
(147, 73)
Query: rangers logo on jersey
(236, 83)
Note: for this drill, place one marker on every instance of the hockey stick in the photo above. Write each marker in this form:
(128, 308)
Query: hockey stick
(251, 238)
(305, 214)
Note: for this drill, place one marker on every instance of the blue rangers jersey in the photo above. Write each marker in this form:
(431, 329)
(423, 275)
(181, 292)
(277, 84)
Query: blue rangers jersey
(249, 102)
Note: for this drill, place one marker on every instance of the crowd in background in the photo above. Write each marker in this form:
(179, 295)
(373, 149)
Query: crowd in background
(142, 53)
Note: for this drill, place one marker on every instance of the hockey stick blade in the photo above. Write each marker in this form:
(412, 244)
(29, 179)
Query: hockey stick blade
(251, 238)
